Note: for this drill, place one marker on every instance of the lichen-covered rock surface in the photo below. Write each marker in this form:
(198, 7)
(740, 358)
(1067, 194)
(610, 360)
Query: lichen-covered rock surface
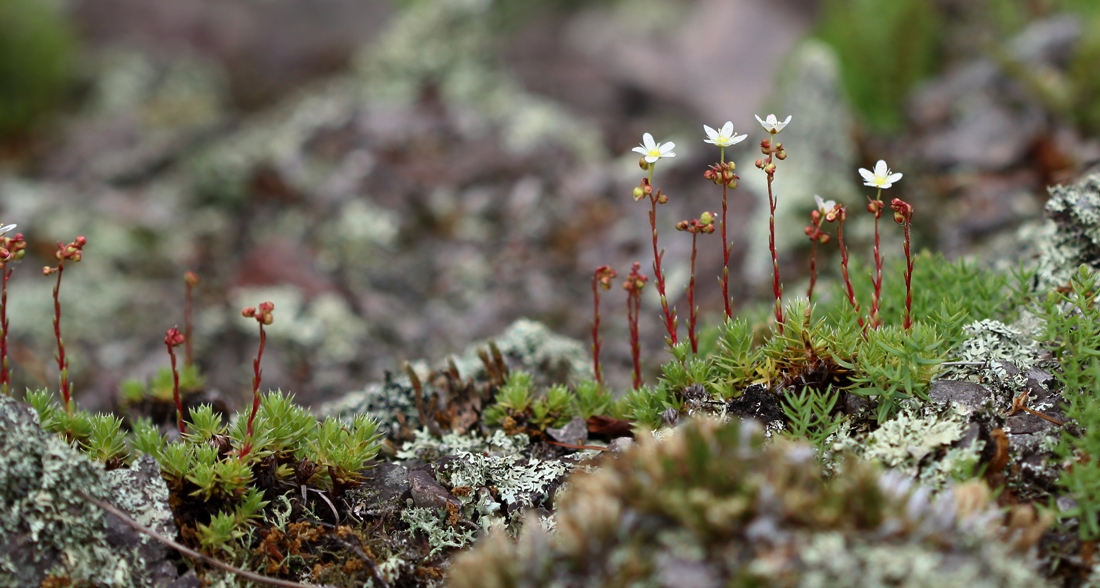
(50, 535)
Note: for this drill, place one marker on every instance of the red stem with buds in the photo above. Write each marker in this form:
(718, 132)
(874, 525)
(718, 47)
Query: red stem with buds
(600, 279)
(633, 286)
(171, 339)
(262, 316)
(875, 207)
(73, 251)
(840, 214)
(772, 149)
(670, 314)
(903, 215)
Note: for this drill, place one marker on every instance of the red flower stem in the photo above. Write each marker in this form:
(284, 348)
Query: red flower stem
(62, 361)
(777, 287)
(691, 299)
(813, 271)
(176, 389)
(633, 302)
(5, 373)
(670, 315)
(908, 280)
(725, 244)
(255, 392)
(844, 268)
(596, 328)
(876, 321)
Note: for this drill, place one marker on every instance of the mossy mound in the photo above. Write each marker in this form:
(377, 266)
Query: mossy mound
(714, 505)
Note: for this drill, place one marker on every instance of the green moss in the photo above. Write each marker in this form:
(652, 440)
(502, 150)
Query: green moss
(36, 55)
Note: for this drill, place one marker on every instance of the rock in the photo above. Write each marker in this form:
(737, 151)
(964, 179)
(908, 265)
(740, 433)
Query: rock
(575, 432)
(1071, 236)
(48, 531)
(980, 116)
(973, 396)
(427, 493)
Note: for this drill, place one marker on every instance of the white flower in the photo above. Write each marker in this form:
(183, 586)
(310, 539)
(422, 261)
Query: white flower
(772, 124)
(824, 205)
(653, 150)
(6, 228)
(724, 137)
(880, 178)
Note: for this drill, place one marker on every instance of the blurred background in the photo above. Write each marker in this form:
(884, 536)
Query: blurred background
(403, 178)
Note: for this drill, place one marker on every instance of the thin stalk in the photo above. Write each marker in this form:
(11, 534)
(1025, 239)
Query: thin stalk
(670, 315)
(5, 373)
(692, 310)
(876, 297)
(62, 361)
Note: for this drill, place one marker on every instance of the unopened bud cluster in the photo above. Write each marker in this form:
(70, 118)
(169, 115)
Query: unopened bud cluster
(71, 252)
(263, 315)
(723, 173)
(704, 224)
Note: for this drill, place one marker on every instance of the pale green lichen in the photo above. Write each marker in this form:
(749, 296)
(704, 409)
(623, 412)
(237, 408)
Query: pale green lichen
(904, 442)
(47, 529)
(427, 448)
(432, 523)
(1072, 236)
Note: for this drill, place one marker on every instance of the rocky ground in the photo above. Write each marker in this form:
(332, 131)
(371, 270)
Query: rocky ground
(408, 183)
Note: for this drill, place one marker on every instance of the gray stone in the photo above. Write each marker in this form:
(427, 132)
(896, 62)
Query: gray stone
(428, 493)
(968, 394)
(575, 432)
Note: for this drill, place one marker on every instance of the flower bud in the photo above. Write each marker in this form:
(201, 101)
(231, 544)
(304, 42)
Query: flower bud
(760, 164)
(815, 216)
(191, 278)
(707, 218)
(682, 225)
(731, 166)
(268, 319)
(823, 238)
(709, 174)
(48, 270)
(765, 146)
(661, 197)
(638, 193)
(872, 207)
(267, 306)
(899, 218)
(80, 241)
(77, 256)
(642, 163)
(708, 229)
(781, 155)
(769, 169)
(249, 312)
(809, 230)
(732, 185)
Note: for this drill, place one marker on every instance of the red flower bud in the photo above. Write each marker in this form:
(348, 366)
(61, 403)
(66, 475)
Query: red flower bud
(248, 312)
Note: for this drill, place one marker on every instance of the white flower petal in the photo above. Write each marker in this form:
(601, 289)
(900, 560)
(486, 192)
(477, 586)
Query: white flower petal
(6, 228)
(666, 149)
(893, 178)
(867, 175)
(737, 139)
(711, 133)
(727, 129)
(881, 170)
(648, 142)
(641, 150)
(820, 202)
(762, 122)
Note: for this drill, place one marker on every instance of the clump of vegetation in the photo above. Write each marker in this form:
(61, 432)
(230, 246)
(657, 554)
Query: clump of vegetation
(714, 502)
